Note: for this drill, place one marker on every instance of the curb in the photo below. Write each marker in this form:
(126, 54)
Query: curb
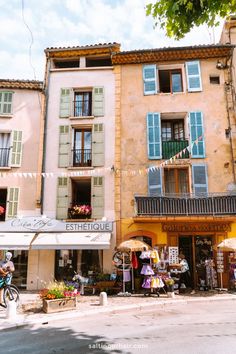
(7, 325)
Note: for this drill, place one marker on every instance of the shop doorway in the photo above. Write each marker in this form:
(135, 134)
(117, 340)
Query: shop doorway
(20, 260)
(197, 250)
(65, 264)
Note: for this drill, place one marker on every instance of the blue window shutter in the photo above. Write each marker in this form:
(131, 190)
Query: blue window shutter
(154, 135)
(196, 132)
(149, 79)
(193, 73)
(200, 183)
(154, 181)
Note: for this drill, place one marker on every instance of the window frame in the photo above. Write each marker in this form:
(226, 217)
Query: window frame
(90, 101)
(171, 72)
(2, 103)
(176, 179)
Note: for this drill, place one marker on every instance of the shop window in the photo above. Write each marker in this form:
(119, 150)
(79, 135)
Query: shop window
(20, 260)
(65, 264)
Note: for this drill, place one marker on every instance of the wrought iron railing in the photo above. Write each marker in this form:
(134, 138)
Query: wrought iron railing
(82, 108)
(188, 205)
(172, 147)
(82, 157)
(4, 157)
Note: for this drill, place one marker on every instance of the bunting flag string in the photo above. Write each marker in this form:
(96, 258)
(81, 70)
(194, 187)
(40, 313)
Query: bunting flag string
(102, 170)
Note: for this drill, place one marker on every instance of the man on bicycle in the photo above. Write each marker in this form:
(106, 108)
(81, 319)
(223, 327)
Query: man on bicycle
(6, 268)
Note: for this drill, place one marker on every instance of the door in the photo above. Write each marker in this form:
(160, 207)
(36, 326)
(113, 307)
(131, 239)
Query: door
(65, 264)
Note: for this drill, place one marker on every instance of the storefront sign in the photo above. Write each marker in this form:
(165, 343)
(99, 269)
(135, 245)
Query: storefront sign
(193, 227)
(42, 224)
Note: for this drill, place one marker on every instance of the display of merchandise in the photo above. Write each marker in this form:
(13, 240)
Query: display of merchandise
(220, 262)
(147, 270)
(173, 255)
(126, 275)
(211, 275)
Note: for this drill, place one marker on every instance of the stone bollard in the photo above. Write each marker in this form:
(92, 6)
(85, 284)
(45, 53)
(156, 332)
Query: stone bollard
(11, 310)
(103, 299)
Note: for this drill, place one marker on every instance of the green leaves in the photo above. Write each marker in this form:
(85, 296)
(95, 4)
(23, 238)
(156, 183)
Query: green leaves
(178, 17)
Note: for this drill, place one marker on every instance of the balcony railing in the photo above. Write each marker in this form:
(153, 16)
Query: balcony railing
(82, 108)
(4, 157)
(82, 157)
(172, 147)
(189, 205)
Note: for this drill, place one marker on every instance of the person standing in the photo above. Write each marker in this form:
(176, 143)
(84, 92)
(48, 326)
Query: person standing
(185, 273)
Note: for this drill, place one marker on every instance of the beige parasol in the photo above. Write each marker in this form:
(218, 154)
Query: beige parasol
(228, 245)
(133, 246)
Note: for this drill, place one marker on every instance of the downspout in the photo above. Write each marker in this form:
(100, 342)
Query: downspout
(46, 90)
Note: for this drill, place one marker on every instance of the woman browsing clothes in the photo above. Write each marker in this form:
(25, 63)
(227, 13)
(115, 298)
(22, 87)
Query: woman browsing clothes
(185, 273)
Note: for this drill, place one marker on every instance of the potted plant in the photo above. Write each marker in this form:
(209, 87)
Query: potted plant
(59, 297)
(80, 211)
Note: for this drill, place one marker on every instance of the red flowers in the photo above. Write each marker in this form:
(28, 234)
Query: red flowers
(2, 210)
(81, 210)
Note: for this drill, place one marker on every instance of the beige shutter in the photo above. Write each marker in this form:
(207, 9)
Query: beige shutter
(98, 101)
(12, 202)
(6, 102)
(16, 152)
(62, 198)
(64, 146)
(65, 103)
(97, 197)
(98, 145)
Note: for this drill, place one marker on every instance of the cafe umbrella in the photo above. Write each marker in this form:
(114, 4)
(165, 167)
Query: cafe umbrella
(128, 246)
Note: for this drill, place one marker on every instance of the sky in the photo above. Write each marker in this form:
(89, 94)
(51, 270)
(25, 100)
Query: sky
(30, 26)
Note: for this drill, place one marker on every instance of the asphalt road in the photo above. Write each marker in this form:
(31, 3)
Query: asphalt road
(194, 328)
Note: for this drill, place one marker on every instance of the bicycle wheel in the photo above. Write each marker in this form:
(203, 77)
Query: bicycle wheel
(11, 293)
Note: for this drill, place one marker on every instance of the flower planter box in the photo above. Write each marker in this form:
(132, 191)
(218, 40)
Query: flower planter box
(58, 305)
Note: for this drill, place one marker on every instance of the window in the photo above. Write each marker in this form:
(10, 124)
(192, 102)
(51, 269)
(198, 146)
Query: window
(169, 78)
(170, 81)
(176, 181)
(172, 130)
(4, 149)
(83, 104)
(6, 102)
(82, 153)
(67, 64)
(215, 80)
(93, 62)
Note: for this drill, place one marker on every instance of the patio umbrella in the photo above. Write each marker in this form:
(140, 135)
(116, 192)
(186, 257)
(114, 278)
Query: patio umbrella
(228, 245)
(132, 245)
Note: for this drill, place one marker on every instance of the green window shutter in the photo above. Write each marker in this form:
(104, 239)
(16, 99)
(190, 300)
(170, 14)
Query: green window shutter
(16, 152)
(196, 133)
(62, 198)
(154, 181)
(12, 202)
(98, 145)
(6, 102)
(98, 101)
(193, 73)
(65, 103)
(200, 183)
(154, 135)
(64, 146)
(97, 197)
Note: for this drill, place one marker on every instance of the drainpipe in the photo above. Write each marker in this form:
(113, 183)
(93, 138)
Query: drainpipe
(46, 89)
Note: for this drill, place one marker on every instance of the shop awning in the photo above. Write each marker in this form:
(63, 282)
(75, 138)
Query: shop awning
(15, 240)
(75, 241)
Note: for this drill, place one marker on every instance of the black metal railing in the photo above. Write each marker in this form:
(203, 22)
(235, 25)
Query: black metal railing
(82, 108)
(188, 205)
(4, 157)
(82, 157)
(172, 147)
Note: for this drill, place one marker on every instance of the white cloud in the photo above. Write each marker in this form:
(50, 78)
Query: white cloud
(77, 22)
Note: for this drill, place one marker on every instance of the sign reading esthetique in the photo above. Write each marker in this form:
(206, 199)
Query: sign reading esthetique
(42, 224)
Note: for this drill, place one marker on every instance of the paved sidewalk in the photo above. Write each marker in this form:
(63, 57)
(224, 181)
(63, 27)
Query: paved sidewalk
(30, 311)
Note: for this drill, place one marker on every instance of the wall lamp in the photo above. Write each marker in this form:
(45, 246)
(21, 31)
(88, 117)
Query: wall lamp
(220, 65)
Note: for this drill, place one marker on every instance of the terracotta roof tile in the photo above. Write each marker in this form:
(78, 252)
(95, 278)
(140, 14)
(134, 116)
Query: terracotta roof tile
(21, 84)
(172, 54)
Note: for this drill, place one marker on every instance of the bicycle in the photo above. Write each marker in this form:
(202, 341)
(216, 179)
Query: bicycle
(10, 293)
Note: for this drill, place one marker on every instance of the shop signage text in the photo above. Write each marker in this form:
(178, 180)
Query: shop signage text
(42, 224)
(203, 227)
